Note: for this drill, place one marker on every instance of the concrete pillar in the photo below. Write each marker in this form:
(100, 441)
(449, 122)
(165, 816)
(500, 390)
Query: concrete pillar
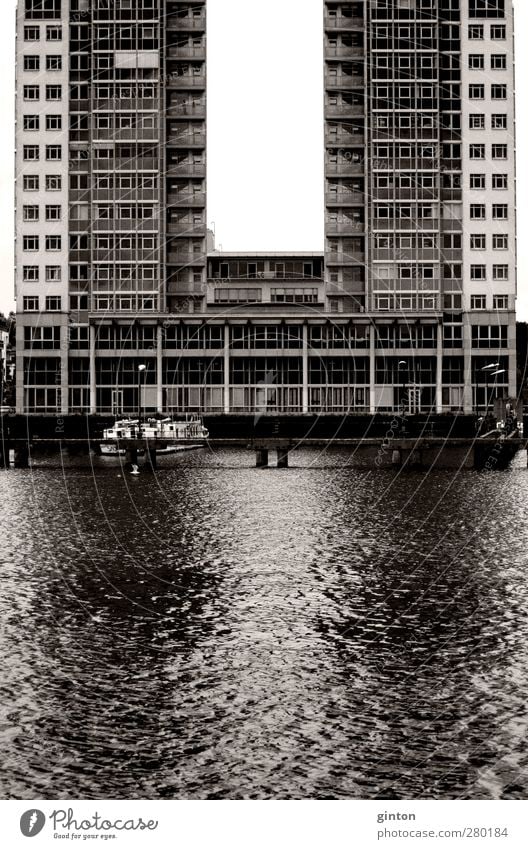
(93, 379)
(22, 457)
(282, 458)
(468, 380)
(131, 457)
(372, 381)
(64, 375)
(396, 459)
(262, 457)
(5, 460)
(439, 367)
(152, 459)
(227, 365)
(305, 371)
(159, 356)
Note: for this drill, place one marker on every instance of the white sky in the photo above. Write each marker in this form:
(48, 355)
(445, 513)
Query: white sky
(265, 126)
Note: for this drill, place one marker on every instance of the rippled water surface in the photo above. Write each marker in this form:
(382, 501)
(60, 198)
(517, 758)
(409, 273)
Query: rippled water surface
(217, 631)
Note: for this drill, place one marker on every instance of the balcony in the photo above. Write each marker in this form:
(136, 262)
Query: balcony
(177, 52)
(186, 169)
(191, 110)
(352, 258)
(186, 228)
(404, 255)
(344, 168)
(344, 52)
(133, 134)
(186, 81)
(343, 139)
(187, 140)
(344, 23)
(144, 163)
(343, 81)
(344, 110)
(391, 164)
(190, 201)
(186, 24)
(183, 260)
(133, 255)
(398, 194)
(344, 228)
(344, 198)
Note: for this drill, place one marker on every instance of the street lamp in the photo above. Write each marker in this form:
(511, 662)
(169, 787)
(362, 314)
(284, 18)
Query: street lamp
(487, 370)
(141, 371)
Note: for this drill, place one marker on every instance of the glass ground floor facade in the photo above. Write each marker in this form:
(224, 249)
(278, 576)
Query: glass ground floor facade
(248, 367)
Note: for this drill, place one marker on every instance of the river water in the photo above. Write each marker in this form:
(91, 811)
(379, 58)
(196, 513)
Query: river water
(217, 631)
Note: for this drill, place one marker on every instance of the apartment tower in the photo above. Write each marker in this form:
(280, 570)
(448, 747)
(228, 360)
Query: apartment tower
(412, 303)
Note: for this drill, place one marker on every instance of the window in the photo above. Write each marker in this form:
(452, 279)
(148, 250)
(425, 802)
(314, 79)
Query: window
(484, 336)
(501, 272)
(500, 181)
(476, 61)
(477, 151)
(31, 243)
(500, 211)
(498, 92)
(30, 273)
(38, 10)
(500, 242)
(477, 211)
(53, 273)
(486, 8)
(79, 302)
(53, 63)
(53, 152)
(31, 183)
(452, 302)
(31, 92)
(500, 302)
(31, 33)
(31, 152)
(53, 213)
(53, 243)
(476, 32)
(53, 92)
(477, 122)
(499, 151)
(477, 181)
(30, 304)
(478, 272)
(53, 303)
(53, 182)
(478, 242)
(499, 122)
(498, 62)
(478, 302)
(54, 122)
(31, 213)
(476, 92)
(53, 33)
(498, 32)
(31, 122)
(31, 63)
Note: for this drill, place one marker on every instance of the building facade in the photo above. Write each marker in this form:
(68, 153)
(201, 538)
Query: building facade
(413, 301)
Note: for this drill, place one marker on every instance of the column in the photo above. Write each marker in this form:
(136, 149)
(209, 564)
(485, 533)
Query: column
(439, 367)
(468, 377)
(227, 366)
(305, 371)
(93, 377)
(372, 369)
(159, 354)
(64, 375)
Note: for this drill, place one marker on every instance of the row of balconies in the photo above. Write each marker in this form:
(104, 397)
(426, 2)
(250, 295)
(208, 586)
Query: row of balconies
(344, 110)
(187, 140)
(349, 258)
(343, 81)
(416, 224)
(143, 104)
(344, 198)
(141, 163)
(348, 228)
(188, 201)
(133, 195)
(186, 81)
(344, 51)
(185, 228)
(192, 110)
(344, 168)
(186, 169)
(176, 51)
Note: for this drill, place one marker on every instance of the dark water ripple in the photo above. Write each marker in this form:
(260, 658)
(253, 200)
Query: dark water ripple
(221, 632)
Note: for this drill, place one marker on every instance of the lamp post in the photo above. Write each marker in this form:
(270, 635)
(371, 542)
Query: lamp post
(486, 371)
(141, 371)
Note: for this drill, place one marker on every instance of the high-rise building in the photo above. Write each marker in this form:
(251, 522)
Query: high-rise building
(413, 302)
(420, 193)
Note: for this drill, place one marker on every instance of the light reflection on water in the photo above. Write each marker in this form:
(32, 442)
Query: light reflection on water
(216, 631)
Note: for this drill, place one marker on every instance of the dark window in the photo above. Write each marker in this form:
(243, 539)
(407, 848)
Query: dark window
(486, 8)
(42, 9)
